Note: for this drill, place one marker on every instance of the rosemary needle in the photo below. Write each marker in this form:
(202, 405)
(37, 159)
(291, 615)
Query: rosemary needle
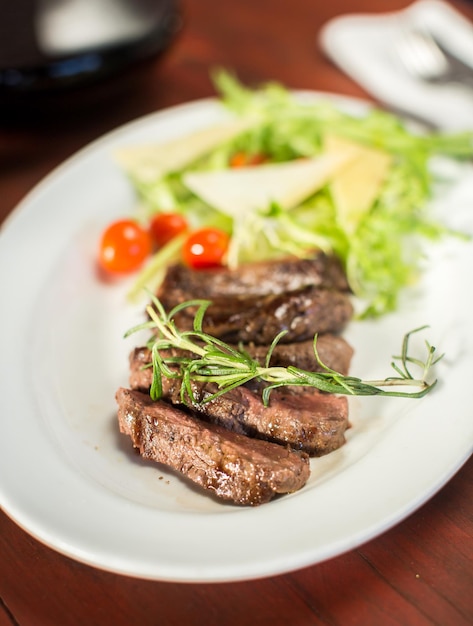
(208, 359)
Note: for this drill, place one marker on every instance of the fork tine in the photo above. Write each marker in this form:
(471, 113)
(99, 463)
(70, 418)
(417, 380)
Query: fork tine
(424, 57)
(430, 53)
(421, 56)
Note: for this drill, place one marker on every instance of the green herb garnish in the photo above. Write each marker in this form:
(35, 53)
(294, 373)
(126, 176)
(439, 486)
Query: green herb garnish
(207, 359)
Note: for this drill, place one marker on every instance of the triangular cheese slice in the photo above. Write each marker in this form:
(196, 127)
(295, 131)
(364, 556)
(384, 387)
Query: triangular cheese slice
(150, 162)
(356, 186)
(238, 191)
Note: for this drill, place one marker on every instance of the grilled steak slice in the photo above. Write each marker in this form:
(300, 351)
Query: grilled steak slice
(310, 421)
(313, 422)
(245, 471)
(258, 319)
(334, 352)
(262, 278)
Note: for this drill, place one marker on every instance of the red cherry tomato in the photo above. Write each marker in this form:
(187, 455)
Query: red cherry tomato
(165, 226)
(205, 248)
(124, 247)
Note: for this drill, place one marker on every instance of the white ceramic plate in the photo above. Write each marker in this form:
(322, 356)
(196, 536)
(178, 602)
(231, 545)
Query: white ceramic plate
(72, 481)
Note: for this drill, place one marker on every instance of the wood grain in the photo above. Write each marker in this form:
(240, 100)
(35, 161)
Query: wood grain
(419, 573)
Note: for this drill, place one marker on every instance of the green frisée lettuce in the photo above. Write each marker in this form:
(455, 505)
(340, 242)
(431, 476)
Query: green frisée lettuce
(382, 251)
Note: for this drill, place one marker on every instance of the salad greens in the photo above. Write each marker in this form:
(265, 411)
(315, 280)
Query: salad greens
(383, 254)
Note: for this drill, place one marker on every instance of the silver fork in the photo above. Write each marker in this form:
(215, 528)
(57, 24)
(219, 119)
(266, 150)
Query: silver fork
(424, 57)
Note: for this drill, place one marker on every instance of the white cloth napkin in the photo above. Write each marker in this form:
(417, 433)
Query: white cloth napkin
(364, 47)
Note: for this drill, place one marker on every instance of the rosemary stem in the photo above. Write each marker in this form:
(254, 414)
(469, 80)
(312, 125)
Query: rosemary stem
(209, 359)
(395, 382)
(173, 337)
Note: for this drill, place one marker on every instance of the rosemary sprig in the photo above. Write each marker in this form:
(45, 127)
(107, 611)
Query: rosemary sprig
(208, 359)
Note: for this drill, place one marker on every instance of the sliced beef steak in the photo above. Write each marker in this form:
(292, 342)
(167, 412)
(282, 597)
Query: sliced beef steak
(245, 471)
(310, 421)
(263, 278)
(258, 319)
(333, 351)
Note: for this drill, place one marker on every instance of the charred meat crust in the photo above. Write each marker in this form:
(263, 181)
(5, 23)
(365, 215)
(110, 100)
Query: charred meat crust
(258, 319)
(334, 352)
(258, 279)
(311, 421)
(232, 444)
(236, 468)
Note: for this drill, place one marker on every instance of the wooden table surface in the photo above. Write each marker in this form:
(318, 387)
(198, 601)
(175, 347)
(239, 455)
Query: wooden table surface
(418, 573)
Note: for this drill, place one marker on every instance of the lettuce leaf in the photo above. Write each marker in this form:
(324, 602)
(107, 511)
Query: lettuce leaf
(384, 255)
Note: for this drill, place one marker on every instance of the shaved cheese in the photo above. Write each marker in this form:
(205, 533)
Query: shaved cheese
(150, 162)
(356, 186)
(239, 191)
